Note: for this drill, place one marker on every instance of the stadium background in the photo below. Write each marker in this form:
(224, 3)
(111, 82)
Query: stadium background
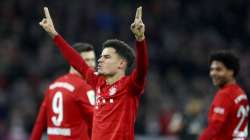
(180, 33)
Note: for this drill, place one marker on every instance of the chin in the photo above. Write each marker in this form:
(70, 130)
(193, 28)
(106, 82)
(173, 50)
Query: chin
(216, 84)
(101, 72)
(219, 84)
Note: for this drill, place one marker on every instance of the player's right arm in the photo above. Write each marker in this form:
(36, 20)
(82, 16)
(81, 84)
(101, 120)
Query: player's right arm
(40, 124)
(219, 114)
(72, 56)
(212, 130)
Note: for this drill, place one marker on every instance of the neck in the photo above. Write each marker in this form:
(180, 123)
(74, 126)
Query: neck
(112, 79)
(231, 81)
(73, 71)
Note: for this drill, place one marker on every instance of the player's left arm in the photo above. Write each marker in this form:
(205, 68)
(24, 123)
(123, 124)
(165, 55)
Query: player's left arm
(140, 72)
(41, 123)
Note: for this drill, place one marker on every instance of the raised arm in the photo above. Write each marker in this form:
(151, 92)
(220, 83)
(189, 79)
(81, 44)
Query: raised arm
(138, 29)
(72, 56)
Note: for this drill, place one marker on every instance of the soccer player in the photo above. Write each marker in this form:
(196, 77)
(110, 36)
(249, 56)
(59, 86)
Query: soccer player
(67, 109)
(228, 114)
(118, 89)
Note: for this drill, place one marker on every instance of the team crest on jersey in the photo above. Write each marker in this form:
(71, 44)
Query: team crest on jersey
(112, 91)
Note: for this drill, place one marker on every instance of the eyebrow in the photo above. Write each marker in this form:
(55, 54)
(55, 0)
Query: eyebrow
(106, 55)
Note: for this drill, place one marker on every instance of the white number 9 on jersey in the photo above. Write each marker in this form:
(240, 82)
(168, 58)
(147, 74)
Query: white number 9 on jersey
(57, 107)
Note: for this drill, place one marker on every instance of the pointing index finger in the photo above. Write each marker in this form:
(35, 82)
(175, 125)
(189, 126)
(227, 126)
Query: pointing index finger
(46, 11)
(138, 14)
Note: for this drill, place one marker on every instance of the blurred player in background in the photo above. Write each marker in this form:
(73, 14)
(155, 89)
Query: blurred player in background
(67, 109)
(118, 86)
(228, 114)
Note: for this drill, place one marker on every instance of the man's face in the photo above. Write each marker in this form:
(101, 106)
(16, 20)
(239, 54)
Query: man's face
(109, 62)
(89, 58)
(219, 74)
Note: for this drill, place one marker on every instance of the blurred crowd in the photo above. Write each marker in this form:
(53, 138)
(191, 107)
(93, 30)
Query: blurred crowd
(180, 33)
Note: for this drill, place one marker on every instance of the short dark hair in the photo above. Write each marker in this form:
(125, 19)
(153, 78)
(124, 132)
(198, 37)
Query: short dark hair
(228, 58)
(83, 47)
(123, 50)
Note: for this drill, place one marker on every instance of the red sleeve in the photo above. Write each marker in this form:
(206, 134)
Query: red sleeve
(84, 104)
(211, 131)
(41, 123)
(75, 60)
(220, 108)
(218, 114)
(138, 76)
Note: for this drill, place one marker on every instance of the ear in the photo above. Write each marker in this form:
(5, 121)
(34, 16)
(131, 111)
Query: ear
(122, 64)
(231, 73)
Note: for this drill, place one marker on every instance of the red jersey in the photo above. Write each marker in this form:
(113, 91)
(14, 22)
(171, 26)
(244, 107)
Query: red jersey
(116, 104)
(66, 111)
(230, 108)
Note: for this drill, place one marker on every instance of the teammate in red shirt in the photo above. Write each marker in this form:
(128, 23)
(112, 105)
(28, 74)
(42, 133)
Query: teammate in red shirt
(228, 114)
(118, 89)
(67, 109)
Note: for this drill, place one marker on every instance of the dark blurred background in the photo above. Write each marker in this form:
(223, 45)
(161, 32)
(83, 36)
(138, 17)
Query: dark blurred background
(181, 34)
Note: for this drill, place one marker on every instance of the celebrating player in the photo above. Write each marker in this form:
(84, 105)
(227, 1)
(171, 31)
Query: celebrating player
(67, 109)
(228, 114)
(118, 89)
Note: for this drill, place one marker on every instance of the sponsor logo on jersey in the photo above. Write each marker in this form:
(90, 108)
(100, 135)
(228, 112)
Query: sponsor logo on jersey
(219, 110)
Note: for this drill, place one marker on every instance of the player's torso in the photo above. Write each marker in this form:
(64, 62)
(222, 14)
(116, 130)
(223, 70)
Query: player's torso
(65, 120)
(235, 127)
(115, 112)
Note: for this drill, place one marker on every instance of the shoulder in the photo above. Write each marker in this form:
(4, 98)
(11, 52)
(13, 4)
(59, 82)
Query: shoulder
(74, 79)
(229, 93)
(233, 91)
(123, 82)
(69, 82)
(223, 96)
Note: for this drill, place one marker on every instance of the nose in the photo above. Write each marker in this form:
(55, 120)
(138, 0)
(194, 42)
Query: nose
(99, 60)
